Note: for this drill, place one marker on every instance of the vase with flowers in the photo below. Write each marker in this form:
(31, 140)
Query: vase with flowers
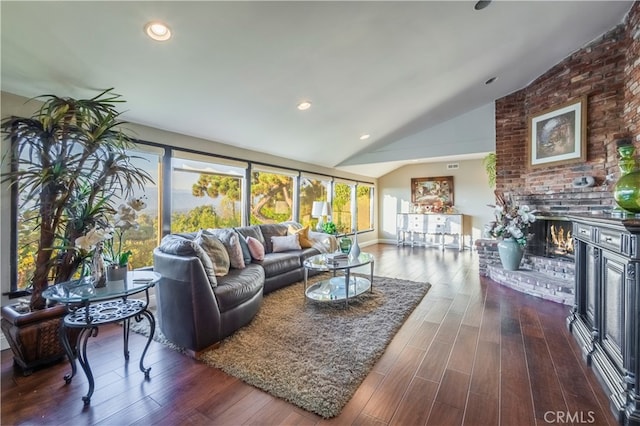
(512, 228)
(103, 246)
(126, 218)
(90, 247)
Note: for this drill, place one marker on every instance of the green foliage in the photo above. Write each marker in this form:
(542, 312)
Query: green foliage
(342, 207)
(329, 228)
(201, 217)
(217, 185)
(69, 159)
(266, 190)
(489, 163)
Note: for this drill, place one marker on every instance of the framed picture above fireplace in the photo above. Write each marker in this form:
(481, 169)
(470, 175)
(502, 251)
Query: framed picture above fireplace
(559, 135)
(432, 191)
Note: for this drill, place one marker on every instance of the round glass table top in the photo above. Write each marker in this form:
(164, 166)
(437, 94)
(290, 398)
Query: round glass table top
(337, 260)
(82, 290)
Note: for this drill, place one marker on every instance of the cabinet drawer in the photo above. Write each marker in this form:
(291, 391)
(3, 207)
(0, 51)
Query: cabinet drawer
(583, 232)
(417, 223)
(437, 224)
(610, 239)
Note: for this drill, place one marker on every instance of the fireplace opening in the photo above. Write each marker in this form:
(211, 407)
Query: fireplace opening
(551, 238)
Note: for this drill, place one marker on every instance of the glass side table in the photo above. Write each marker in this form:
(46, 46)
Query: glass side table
(91, 307)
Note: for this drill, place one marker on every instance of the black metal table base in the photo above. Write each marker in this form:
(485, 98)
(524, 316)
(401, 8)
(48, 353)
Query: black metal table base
(89, 318)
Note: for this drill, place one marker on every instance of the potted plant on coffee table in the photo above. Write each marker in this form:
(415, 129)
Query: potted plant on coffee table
(70, 163)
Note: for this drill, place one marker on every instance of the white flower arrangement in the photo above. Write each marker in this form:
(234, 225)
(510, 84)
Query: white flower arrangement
(124, 219)
(90, 240)
(512, 221)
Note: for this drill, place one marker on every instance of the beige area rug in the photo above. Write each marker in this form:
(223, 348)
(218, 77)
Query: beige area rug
(312, 354)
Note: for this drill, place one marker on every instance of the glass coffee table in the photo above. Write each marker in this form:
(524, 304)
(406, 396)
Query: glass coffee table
(338, 287)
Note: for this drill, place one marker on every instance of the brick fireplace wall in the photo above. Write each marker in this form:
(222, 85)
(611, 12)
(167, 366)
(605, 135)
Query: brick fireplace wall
(607, 71)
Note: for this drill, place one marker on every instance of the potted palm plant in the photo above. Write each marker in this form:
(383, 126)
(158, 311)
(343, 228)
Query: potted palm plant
(70, 163)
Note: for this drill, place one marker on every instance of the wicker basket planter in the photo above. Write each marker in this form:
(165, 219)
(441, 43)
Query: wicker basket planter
(34, 337)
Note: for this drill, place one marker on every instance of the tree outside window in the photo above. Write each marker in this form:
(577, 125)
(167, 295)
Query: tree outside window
(205, 195)
(311, 190)
(341, 207)
(271, 197)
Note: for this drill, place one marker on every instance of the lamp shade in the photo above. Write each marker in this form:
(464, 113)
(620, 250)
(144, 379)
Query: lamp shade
(316, 209)
(326, 209)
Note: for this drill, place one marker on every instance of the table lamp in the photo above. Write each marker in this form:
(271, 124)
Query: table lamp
(316, 212)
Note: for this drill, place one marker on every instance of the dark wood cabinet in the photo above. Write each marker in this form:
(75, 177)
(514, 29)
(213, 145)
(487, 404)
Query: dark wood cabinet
(606, 314)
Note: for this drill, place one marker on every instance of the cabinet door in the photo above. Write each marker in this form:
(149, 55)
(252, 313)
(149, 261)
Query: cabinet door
(612, 321)
(591, 288)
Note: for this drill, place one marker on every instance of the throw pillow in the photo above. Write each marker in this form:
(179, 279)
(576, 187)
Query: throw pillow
(285, 243)
(216, 251)
(246, 254)
(181, 246)
(272, 230)
(230, 239)
(303, 236)
(255, 248)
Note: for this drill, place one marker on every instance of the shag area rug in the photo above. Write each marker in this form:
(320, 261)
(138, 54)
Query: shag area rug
(316, 354)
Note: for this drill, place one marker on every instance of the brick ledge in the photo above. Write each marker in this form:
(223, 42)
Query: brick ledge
(539, 284)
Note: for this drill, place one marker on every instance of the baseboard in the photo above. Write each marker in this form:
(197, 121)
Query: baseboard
(387, 241)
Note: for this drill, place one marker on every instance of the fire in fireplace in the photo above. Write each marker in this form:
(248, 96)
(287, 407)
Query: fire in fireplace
(551, 238)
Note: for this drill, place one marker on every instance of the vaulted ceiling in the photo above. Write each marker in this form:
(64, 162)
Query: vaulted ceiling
(409, 74)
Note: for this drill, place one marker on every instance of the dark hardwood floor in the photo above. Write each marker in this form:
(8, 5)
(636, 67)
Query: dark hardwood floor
(471, 353)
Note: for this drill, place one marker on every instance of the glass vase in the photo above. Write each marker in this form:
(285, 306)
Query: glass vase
(627, 190)
(345, 244)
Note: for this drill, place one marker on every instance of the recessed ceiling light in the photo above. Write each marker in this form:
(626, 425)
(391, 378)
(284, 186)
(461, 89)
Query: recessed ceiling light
(364, 137)
(482, 4)
(304, 105)
(491, 80)
(157, 30)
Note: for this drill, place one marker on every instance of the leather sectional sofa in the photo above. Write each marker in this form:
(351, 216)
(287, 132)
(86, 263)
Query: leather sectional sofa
(195, 310)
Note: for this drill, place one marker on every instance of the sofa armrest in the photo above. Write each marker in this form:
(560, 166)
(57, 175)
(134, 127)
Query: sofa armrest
(186, 302)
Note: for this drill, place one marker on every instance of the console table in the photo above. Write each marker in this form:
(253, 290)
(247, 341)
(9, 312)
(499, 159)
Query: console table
(415, 224)
(91, 307)
(605, 318)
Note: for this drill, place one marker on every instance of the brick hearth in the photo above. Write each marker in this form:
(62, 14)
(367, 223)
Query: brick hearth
(544, 277)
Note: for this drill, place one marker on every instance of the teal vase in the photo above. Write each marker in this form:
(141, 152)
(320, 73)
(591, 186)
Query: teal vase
(627, 190)
(345, 244)
(510, 254)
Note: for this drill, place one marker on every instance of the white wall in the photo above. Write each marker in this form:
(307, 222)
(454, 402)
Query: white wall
(472, 195)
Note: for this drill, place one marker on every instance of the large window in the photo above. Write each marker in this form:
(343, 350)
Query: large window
(141, 240)
(312, 188)
(271, 195)
(204, 194)
(342, 206)
(364, 207)
(144, 239)
(206, 191)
